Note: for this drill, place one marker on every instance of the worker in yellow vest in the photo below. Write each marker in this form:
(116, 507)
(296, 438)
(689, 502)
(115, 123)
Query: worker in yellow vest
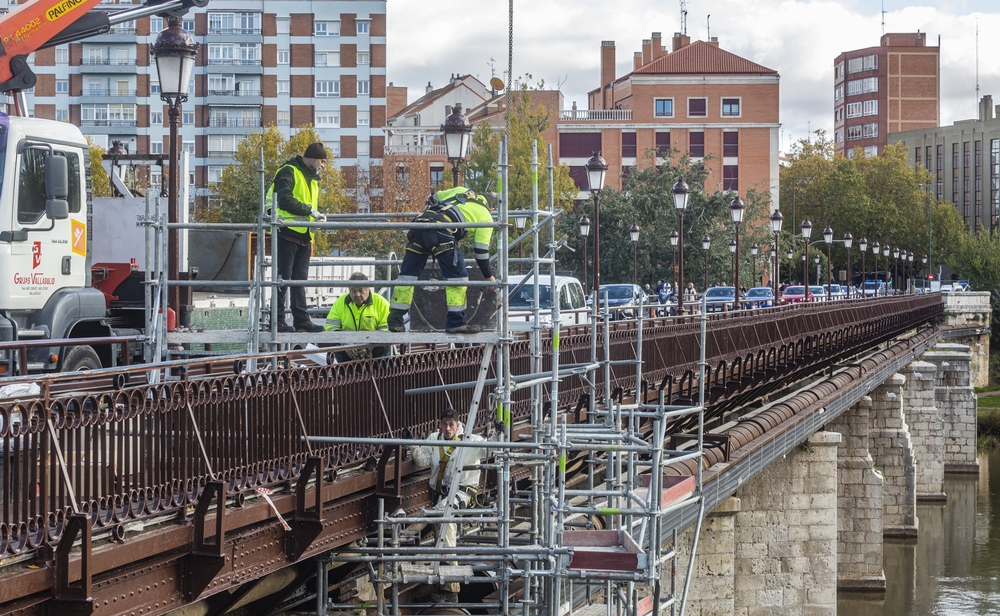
(296, 185)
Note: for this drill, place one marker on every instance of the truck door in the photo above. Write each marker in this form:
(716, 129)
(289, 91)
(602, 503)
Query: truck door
(46, 259)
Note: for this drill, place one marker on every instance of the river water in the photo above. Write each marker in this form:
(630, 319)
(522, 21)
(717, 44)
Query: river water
(953, 569)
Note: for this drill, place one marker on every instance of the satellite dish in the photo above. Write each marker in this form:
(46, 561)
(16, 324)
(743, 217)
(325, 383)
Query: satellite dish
(496, 83)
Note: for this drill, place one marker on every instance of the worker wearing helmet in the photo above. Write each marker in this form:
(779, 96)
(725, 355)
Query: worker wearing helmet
(457, 204)
(296, 185)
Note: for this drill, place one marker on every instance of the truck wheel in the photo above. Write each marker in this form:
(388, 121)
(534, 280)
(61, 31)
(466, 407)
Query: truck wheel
(81, 358)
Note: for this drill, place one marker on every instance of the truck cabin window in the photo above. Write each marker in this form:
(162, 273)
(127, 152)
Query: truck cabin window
(31, 184)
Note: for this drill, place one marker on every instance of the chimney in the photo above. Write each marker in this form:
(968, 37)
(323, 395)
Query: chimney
(636, 60)
(607, 68)
(647, 51)
(658, 50)
(447, 110)
(986, 108)
(574, 111)
(681, 40)
(714, 41)
(429, 88)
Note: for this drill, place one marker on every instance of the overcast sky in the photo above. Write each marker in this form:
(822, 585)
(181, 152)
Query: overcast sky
(559, 41)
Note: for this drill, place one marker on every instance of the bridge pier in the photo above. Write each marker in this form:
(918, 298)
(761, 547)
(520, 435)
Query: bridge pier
(926, 430)
(955, 396)
(892, 450)
(859, 503)
(972, 311)
(786, 534)
(712, 587)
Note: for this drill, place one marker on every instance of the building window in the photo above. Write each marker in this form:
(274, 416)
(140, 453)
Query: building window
(862, 86)
(328, 119)
(327, 58)
(107, 115)
(838, 137)
(222, 145)
(155, 24)
(697, 144)
(234, 23)
(854, 110)
(156, 118)
(871, 62)
(364, 58)
(215, 174)
(871, 150)
(730, 144)
(363, 118)
(328, 89)
(283, 118)
(730, 177)
(187, 118)
(333, 147)
(731, 107)
(663, 144)
(663, 108)
(978, 179)
(154, 88)
(364, 148)
(283, 25)
(870, 131)
(954, 173)
(364, 88)
(282, 56)
(62, 55)
(871, 108)
(628, 145)
(853, 133)
(994, 183)
(838, 71)
(156, 147)
(62, 115)
(697, 107)
(62, 86)
(188, 147)
(327, 28)
(363, 26)
(284, 86)
(188, 25)
(437, 176)
(940, 171)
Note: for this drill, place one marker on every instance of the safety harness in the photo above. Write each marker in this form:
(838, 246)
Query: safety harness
(445, 453)
(440, 212)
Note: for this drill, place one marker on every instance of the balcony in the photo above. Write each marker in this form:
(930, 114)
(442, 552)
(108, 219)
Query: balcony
(234, 122)
(107, 62)
(595, 114)
(416, 150)
(232, 62)
(106, 92)
(236, 31)
(234, 93)
(107, 123)
(221, 153)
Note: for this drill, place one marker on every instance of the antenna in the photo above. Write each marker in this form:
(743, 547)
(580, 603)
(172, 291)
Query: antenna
(684, 17)
(883, 17)
(708, 21)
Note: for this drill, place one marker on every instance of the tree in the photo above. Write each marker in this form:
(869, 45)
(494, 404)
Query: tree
(100, 183)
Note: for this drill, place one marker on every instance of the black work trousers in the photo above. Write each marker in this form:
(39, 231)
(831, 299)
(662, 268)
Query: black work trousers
(293, 264)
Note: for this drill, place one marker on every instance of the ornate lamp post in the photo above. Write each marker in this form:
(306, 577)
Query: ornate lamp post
(457, 134)
(863, 245)
(776, 221)
(754, 249)
(807, 229)
(706, 243)
(519, 222)
(927, 285)
(816, 261)
(736, 210)
(584, 232)
(828, 238)
(175, 52)
(681, 192)
(634, 234)
(848, 241)
(885, 253)
(597, 169)
(895, 269)
(674, 240)
(909, 270)
(876, 250)
(789, 255)
(732, 260)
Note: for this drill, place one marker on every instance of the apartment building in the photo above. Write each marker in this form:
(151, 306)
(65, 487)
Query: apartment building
(964, 162)
(891, 88)
(283, 62)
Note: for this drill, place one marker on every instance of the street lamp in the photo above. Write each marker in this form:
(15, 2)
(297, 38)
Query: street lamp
(175, 52)
(753, 263)
(875, 249)
(634, 234)
(732, 260)
(789, 255)
(776, 219)
(584, 232)
(706, 243)
(927, 285)
(674, 240)
(848, 240)
(457, 133)
(885, 253)
(909, 270)
(863, 245)
(816, 261)
(519, 222)
(828, 238)
(597, 169)
(736, 210)
(895, 269)
(681, 193)
(807, 229)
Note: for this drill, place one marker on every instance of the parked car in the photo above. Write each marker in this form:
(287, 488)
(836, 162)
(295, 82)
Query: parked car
(623, 299)
(836, 291)
(947, 288)
(759, 297)
(793, 295)
(873, 287)
(720, 299)
(572, 304)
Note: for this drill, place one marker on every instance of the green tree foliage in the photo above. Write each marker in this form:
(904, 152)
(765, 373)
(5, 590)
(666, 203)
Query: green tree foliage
(646, 200)
(100, 183)
(979, 263)
(880, 198)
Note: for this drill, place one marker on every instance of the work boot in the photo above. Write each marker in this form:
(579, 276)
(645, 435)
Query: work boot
(464, 329)
(309, 327)
(395, 320)
(285, 328)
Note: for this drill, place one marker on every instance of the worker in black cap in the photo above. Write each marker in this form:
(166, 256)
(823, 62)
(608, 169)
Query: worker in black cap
(296, 185)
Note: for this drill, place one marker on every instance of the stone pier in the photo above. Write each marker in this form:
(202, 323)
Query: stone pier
(927, 429)
(892, 451)
(786, 534)
(712, 585)
(956, 398)
(859, 503)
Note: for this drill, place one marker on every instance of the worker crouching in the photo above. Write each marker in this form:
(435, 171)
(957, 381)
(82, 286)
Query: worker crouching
(359, 310)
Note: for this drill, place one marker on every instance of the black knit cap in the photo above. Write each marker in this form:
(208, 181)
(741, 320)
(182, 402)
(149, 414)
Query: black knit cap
(315, 150)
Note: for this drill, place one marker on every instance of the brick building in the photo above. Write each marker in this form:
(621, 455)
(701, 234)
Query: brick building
(964, 161)
(886, 89)
(282, 62)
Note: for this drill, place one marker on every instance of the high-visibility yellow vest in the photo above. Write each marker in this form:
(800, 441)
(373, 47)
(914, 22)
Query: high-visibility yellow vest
(305, 191)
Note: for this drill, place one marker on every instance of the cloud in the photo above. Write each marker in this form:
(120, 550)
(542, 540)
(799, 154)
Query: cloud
(559, 41)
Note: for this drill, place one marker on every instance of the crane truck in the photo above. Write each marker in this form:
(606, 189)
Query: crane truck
(47, 289)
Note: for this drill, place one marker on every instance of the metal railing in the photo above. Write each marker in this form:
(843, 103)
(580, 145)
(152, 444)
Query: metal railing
(232, 62)
(595, 114)
(416, 150)
(234, 92)
(108, 92)
(250, 31)
(235, 122)
(107, 61)
(107, 123)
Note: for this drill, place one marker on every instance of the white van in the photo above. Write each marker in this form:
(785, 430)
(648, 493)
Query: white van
(572, 302)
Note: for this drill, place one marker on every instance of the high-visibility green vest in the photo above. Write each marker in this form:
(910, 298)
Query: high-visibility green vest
(305, 191)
